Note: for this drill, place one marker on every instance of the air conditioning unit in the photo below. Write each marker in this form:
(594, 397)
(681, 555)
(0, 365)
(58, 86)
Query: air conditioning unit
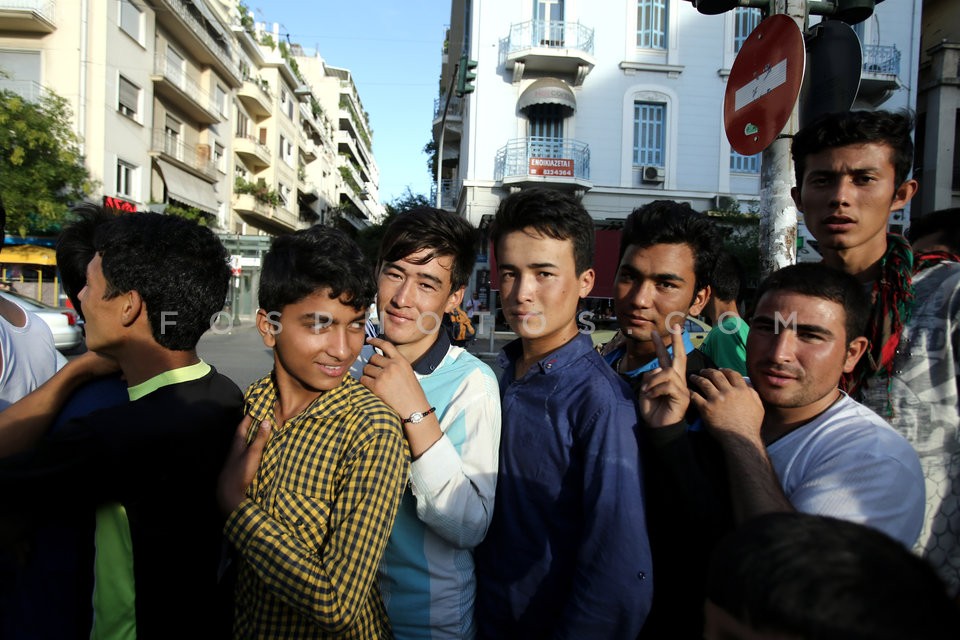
(651, 173)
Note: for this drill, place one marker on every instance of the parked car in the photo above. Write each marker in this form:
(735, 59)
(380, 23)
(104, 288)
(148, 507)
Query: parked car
(696, 329)
(64, 323)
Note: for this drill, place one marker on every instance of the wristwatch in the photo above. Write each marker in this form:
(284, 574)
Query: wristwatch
(417, 417)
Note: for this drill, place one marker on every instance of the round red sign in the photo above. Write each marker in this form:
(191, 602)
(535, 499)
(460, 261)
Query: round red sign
(763, 85)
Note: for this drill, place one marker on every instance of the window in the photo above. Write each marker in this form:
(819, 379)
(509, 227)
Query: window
(126, 180)
(131, 19)
(171, 137)
(649, 125)
(128, 101)
(218, 157)
(286, 150)
(545, 131)
(745, 20)
(243, 124)
(549, 22)
(286, 104)
(652, 24)
(220, 97)
(175, 67)
(285, 193)
(744, 164)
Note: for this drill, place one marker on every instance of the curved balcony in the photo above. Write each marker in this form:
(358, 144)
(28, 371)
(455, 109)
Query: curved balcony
(539, 160)
(548, 46)
(879, 78)
(28, 16)
(252, 152)
(183, 91)
(255, 96)
(264, 216)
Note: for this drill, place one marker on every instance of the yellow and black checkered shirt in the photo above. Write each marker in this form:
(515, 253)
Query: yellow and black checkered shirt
(312, 529)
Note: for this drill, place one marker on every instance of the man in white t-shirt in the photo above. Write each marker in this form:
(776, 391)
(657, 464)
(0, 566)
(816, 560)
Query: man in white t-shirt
(792, 440)
(27, 355)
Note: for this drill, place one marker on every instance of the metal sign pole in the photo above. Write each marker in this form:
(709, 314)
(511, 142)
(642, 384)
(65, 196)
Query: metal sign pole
(443, 130)
(778, 219)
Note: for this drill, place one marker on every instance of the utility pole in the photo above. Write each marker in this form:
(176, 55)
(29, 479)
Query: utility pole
(443, 129)
(778, 215)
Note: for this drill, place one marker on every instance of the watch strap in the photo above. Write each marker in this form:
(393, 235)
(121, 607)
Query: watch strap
(418, 416)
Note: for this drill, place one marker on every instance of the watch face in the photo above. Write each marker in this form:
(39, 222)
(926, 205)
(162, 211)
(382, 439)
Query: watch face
(416, 417)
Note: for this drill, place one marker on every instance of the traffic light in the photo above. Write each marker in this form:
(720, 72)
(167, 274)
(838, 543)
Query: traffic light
(466, 75)
(854, 11)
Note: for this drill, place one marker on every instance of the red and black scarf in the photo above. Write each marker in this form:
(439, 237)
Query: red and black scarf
(893, 299)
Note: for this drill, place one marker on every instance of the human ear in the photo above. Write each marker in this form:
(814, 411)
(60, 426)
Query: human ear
(856, 348)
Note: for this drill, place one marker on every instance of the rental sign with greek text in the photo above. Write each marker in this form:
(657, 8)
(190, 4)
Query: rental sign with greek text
(557, 167)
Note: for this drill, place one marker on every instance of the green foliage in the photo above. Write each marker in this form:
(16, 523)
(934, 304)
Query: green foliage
(741, 238)
(246, 21)
(259, 190)
(267, 40)
(347, 176)
(430, 149)
(41, 168)
(190, 213)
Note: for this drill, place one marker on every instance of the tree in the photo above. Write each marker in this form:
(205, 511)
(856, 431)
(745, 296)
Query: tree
(369, 239)
(41, 167)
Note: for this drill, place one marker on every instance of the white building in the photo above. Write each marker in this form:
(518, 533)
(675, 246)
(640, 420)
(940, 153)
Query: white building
(620, 101)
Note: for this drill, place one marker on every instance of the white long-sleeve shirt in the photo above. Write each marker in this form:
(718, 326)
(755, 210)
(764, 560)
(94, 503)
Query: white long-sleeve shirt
(426, 576)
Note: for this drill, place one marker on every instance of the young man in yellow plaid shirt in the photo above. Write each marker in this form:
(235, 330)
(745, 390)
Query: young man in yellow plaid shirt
(314, 480)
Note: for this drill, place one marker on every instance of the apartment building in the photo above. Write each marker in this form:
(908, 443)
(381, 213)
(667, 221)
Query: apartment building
(188, 104)
(621, 102)
(937, 163)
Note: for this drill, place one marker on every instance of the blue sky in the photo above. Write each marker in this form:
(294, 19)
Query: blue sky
(393, 49)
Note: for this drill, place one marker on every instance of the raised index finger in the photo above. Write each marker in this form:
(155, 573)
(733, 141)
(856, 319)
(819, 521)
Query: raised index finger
(663, 356)
(679, 351)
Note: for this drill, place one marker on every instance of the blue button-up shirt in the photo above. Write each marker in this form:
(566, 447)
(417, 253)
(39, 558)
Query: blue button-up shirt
(567, 553)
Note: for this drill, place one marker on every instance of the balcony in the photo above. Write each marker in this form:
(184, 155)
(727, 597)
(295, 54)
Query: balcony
(538, 160)
(28, 16)
(308, 149)
(449, 194)
(548, 47)
(255, 96)
(254, 153)
(347, 145)
(185, 93)
(264, 216)
(454, 123)
(194, 159)
(879, 79)
(27, 89)
(199, 31)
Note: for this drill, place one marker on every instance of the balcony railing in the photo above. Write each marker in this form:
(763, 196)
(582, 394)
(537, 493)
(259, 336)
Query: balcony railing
(552, 34)
(27, 89)
(44, 8)
(449, 193)
(219, 49)
(881, 59)
(182, 81)
(455, 109)
(513, 160)
(194, 157)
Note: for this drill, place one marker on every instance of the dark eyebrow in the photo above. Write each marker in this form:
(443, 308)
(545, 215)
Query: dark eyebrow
(768, 321)
(542, 265)
(419, 274)
(662, 277)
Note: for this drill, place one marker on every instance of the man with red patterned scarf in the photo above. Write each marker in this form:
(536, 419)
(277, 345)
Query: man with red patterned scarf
(852, 171)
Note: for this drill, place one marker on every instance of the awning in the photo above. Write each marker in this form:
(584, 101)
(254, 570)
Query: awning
(188, 188)
(28, 254)
(548, 91)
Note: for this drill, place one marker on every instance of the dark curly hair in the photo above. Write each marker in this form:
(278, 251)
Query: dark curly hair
(301, 263)
(669, 222)
(443, 232)
(552, 213)
(842, 129)
(179, 269)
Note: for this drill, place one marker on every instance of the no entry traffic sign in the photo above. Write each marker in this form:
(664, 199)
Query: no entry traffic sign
(763, 85)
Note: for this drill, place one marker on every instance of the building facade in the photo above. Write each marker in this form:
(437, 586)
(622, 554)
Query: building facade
(191, 105)
(621, 102)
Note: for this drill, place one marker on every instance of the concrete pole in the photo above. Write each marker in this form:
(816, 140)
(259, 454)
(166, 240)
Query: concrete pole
(778, 215)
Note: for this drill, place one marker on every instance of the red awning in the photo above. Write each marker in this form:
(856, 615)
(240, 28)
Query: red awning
(605, 263)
